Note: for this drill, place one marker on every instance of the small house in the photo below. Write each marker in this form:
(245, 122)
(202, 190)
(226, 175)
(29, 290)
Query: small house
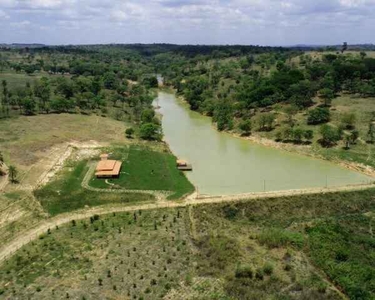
(108, 168)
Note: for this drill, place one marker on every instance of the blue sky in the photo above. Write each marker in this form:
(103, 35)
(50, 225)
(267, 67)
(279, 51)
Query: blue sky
(261, 22)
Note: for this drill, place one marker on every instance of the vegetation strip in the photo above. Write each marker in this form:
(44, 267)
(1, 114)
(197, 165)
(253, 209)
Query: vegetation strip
(19, 242)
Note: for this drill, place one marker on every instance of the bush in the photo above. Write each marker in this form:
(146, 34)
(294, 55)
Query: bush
(259, 274)
(318, 116)
(244, 272)
(268, 269)
(150, 131)
(348, 120)
(245, 127)
(276, 237)
(330, 135)
(129, 132)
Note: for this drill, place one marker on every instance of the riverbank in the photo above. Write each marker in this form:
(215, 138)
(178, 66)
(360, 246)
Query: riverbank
(304, 150)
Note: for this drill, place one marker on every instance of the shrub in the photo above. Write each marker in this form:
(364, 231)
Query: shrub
(244, 272)
(318, 116)
(268, 269)
(276, 237)
(129, 132)
(150, 131)
(330, 135)
(348, 120)
(259, 274)
(245, 127)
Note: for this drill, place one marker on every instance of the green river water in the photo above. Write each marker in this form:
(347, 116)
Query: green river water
(224, 164)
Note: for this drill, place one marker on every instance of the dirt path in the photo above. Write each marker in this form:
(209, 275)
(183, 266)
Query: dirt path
(10, 248)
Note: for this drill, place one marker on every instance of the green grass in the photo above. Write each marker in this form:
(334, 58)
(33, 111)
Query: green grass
(66, 194)
(145, 169)
(17, 80)
(273, 238)
(345, 250)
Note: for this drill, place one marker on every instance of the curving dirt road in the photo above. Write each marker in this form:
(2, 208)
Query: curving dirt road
(24, 238)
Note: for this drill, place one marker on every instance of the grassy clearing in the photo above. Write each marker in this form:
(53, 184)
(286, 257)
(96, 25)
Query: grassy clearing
(146, 169)
(65, 193)
(23, 140)
(119, 256)
(17, 80)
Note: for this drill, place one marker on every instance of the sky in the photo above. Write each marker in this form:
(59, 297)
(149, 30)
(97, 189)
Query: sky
(246, 22)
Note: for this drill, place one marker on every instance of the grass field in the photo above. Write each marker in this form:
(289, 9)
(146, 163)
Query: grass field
(301, 247)
(65, 193)
(16, 80)
(146, 169)
(23, 140)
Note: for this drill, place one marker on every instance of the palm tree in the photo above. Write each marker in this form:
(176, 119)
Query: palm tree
(13, 174)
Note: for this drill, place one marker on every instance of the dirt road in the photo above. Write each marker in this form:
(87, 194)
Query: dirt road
(8, 249)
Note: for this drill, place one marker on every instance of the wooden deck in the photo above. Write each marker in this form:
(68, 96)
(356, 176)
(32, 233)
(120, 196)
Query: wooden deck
(188, 167)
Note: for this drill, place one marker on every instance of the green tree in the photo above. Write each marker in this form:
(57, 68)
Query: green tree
(223, 115)
(151, 131)
(129, 133)
(298, 134)
(42, 90)
(308, 135)
(348, 120)
(147, 116)
(13, 172)
(318, 116)
(110, 81)
(327, 95)
(245, 127)
(266, 121)
(371, 132)
(151, 82)
(344, 47)
(5, 90)
(29, 106)
(329, 135)
(290, 112)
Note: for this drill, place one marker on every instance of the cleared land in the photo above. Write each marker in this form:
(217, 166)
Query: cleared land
(147, 169)
(282, 248)
(140, 255)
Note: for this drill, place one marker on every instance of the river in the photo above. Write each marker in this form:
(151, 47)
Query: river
(224, 164)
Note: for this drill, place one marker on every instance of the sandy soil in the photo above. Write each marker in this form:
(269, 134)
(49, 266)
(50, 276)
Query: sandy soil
(56, 161)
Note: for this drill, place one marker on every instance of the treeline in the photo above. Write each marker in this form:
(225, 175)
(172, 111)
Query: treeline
(62, 94)
(234, 91)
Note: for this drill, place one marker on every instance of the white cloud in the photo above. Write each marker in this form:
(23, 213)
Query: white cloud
(21, 24)
(3, 15)
(223, 20)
